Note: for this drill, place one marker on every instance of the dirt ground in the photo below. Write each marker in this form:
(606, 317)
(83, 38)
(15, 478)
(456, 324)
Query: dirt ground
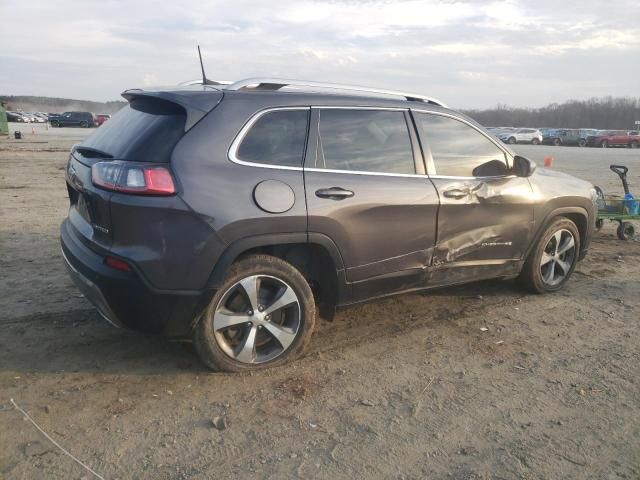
(407, 388)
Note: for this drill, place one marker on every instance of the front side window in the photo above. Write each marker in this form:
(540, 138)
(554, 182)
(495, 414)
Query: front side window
(459, 150)
(365, 140)
(276, 138)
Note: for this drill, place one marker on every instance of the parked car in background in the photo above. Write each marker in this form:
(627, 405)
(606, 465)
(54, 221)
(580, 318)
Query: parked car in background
(522, 135)
(42, 115)
(567, 137)
(101, 118)
(37, 118)
(16, 117)
(614, 138)
(497, 131)
(232, 215)
(75, 119)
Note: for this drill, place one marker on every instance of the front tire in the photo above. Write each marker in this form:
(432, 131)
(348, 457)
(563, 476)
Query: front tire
(553, 259)
(262, 316)
(582, 142)
(512, 141)
(557, 142)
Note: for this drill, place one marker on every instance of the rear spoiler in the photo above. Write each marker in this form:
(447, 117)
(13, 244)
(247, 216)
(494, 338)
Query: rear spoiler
(196, 103)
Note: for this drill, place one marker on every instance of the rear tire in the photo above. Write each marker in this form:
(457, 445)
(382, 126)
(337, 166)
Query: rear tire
(84, 124)
(262, 316)
(626, 231)
(512, 141)
(557, 142)
(535, 141)
(582, 142)
(553, 259)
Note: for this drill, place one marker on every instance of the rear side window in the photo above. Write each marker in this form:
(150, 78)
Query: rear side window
(146, 130)
(276, 138)
(456, 148)
(365, 140)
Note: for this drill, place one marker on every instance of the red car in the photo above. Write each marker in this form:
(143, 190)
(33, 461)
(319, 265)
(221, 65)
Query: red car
(615, 138)
(101, 118)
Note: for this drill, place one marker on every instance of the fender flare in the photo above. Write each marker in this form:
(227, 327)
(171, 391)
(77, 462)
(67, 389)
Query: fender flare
(237, 248)
(557, 212)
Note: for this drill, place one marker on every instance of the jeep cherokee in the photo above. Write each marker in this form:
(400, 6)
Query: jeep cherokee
(232, 215)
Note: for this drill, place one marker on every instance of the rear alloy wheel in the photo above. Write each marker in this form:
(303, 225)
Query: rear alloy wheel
(557, 142)
(553, 259)
(262, 316)
(512, 140)
(535, 141)
(604, 144)
(582, 142)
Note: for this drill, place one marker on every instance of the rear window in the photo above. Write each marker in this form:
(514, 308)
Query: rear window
(366, 141)
(146, 130)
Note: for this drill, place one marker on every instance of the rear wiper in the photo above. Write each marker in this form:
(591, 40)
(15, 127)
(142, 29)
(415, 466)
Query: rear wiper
(92, 152)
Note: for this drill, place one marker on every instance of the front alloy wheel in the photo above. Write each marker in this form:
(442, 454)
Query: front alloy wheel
(558, 258)
(262, 316)
(553, 259)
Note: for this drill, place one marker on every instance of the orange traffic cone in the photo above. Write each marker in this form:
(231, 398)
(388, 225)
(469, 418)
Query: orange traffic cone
(548, 162)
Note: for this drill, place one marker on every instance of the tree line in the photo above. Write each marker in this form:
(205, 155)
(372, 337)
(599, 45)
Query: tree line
(602, 113)
(29, 103)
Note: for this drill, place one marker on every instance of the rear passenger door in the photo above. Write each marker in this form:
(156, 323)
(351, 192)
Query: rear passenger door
(486, 212)
(366, 190)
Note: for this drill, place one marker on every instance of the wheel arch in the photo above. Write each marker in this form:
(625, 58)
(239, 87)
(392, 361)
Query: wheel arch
(314, 255)
(577, 215)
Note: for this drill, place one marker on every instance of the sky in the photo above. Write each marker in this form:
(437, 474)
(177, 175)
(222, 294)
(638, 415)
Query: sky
(468, 54)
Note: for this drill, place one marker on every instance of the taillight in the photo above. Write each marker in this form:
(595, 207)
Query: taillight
(136, 178)
(117, 264)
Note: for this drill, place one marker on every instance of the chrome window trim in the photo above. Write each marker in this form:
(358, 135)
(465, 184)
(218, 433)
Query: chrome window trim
(232, 154)
(360, 172)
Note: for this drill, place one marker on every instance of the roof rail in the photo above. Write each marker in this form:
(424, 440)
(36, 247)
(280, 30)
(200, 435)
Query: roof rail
(199, 82)
(278, 83)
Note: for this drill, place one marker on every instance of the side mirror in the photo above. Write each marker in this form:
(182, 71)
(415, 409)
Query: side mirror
(492, 168)
(523, 167)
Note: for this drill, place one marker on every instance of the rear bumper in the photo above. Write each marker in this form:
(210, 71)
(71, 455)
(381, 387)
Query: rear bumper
(125, 299)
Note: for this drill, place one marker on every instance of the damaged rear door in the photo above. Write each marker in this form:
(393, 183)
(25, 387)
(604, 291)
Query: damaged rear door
(486, 213)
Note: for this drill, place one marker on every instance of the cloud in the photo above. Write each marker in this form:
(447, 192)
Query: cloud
(468, 53)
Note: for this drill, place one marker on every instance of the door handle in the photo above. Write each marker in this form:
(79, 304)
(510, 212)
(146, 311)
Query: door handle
(334, 193)
(456, 193)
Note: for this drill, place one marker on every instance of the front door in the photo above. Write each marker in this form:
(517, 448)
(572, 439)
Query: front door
(366, 190)
(486, 213)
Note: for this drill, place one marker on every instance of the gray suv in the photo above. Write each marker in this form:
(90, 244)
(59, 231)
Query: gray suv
(233, 215)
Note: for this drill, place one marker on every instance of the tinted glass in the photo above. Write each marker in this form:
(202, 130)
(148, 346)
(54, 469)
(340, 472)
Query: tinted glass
(456, 148)
(276, 138)
(365, 140)
(146, 130)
